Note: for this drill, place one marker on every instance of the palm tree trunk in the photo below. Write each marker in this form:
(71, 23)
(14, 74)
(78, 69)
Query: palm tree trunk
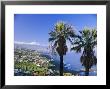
(61, 65)
(87, 72)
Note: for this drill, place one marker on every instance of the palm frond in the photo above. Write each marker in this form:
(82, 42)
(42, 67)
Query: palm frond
(95, 60)
(51, 39)
(71, 40)
(53, 34)
(77, 48)
(55, 44)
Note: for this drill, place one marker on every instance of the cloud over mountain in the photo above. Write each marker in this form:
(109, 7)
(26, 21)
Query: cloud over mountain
(28, 43)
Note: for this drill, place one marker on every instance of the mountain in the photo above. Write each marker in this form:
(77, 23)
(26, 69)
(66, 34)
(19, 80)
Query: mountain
(39, 48)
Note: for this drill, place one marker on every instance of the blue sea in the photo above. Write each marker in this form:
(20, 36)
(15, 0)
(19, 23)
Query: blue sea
(72, 63)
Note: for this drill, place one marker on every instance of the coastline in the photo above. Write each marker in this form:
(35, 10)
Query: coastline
(56, 62)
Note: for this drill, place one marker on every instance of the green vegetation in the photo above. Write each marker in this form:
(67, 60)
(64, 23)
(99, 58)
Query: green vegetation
(86, 42)
(32, 63)
(58, 37)
(30, 67)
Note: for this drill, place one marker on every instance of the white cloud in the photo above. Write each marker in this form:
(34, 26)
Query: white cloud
(28, 43)
(34, 43)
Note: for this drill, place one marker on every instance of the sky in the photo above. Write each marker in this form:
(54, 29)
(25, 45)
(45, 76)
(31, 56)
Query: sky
(34, 28)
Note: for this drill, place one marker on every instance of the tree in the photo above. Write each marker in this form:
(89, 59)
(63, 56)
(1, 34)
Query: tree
(86, 42)
(62, 32)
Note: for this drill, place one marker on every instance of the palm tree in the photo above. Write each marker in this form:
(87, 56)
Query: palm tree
(86, 43)
(62, 32)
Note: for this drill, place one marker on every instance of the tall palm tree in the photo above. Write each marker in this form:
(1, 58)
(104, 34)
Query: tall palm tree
(62, 32)
(86, 43)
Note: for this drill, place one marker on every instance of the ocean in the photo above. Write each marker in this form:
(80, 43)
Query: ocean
(72, 63)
